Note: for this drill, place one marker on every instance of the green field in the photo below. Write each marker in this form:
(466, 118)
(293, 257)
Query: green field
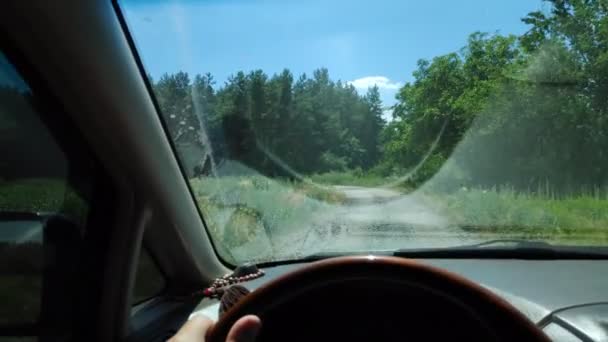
(42, 195)
(579, 219)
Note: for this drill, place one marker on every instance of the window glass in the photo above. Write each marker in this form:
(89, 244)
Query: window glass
(42, 215)
(350, 126)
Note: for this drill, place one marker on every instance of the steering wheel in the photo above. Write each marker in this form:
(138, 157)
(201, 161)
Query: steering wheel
(377, 298)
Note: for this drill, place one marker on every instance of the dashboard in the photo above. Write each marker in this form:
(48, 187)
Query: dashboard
(567, 298)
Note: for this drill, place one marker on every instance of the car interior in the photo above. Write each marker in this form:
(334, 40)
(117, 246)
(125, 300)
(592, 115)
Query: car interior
(132, 260)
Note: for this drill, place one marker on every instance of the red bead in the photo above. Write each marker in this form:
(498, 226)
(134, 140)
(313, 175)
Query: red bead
(208, 291)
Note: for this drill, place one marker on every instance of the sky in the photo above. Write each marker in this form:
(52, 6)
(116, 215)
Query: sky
(362, 42)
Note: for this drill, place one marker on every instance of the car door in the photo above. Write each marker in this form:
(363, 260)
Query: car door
(53, 209)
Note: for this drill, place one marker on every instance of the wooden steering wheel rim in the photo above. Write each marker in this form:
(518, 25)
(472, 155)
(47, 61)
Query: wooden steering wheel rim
(501, 317)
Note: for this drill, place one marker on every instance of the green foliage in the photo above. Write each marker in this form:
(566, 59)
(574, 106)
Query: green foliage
(42, 195)
(435, 110)
(529, 215)
(515, 111)
(243, 211)
(329, 161)
(268, 123)
(355, 177)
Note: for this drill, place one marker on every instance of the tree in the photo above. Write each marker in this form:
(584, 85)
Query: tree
(281, 114)
(175, 101)
(426, 111)
(372, 126)
(275, 125)
(518, 111)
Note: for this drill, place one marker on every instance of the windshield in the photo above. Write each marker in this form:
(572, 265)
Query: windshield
(345, 126)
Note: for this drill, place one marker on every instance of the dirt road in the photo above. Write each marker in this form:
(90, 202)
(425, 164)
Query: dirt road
(381, 219)
(370, 219)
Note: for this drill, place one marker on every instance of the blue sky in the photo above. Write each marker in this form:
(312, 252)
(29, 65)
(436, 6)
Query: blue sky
(363, 42)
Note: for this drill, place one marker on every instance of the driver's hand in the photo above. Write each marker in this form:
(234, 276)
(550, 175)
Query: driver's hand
(195, 330)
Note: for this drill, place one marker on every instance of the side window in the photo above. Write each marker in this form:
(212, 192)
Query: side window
(149, 281)
(43, 212)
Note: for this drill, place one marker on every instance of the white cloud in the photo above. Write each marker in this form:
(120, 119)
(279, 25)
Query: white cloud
(387, 114)
(381, 82)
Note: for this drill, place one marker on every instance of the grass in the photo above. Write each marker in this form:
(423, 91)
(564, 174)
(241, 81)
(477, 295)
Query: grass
(354, 177)
(247, 215)
(317, 192)
(256, 210)
(577, 218)
(42, 195)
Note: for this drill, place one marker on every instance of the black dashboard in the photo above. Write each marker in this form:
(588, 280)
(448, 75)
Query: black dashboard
(567, 298)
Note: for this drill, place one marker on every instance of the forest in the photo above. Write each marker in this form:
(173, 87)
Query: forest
(275, 125)
(524, 111)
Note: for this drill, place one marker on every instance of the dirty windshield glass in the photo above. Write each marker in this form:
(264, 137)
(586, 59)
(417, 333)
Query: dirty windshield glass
(344, 126)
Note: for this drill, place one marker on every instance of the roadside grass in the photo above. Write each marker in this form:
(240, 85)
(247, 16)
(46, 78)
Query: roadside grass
(42, 195)
(321, 193)
(353, 177)
(576, 219)
(242, 210)
(248, 209)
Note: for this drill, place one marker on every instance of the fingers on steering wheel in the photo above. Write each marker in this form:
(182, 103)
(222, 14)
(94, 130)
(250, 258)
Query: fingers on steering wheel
(193, 330)
(245, 329)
